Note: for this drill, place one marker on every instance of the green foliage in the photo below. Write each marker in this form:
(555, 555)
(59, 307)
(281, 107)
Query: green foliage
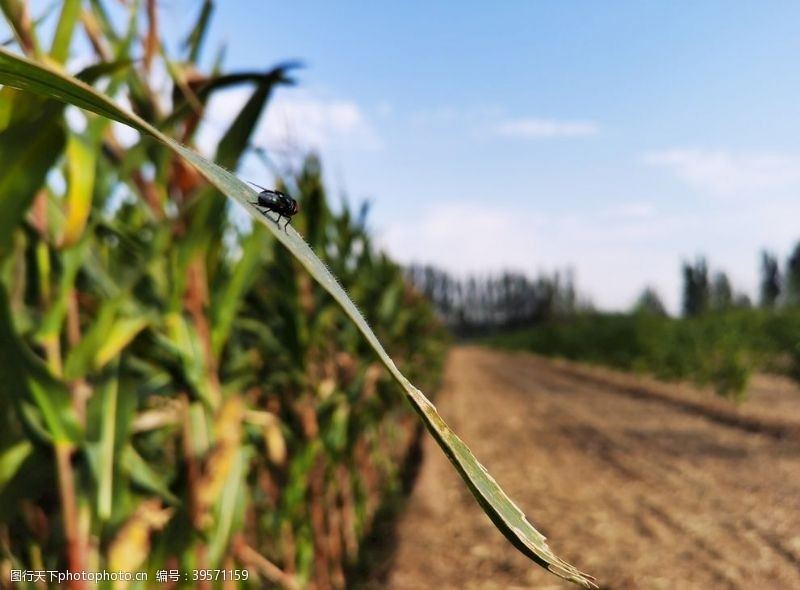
(649, 302)
(721, 295)
(792, 278)
(720, 349)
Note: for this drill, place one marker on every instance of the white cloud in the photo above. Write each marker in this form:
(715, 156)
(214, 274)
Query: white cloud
(722, 172)
(464, 237)
(317, 122)
(531, 128)
(296, 121)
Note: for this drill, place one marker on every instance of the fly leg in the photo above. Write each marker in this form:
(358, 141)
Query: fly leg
(259, 209)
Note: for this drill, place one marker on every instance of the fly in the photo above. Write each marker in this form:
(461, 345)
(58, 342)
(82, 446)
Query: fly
(277, 202)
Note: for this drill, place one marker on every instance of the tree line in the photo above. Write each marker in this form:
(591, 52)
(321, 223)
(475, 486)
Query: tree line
(480, 304)
(477, 305)
(704, 291)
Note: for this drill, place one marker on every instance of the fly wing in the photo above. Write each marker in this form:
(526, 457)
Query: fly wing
(257, 186)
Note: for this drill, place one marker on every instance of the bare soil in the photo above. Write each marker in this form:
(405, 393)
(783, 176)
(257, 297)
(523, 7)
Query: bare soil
(641, 484)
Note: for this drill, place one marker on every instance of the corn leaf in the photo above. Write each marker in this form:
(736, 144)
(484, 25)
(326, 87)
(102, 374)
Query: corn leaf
(230, 511)
(28, 149)
(227, 298)
(39, 397)
(121, 334)
(237, 137)
(144, 476)
(70, 11)
(194, 42)
(509, 519)
(27, 478)
(11, 459)
(81, 154)
(109, 393)
(80, 358)
(54, 318)
(204, 89)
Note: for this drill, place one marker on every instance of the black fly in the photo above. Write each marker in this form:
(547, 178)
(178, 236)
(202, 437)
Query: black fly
(280, 203)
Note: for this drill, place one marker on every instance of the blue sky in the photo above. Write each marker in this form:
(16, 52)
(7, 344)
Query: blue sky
(616, 138)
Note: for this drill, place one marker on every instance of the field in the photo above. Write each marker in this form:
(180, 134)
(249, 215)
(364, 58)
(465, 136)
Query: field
(643, 485)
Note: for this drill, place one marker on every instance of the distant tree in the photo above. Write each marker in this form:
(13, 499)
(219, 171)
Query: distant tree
(721, 295)
(770, 280)
(792, 278)
(568, 297)
(742, 301)
(649, 302)
(546, 290)
(695, 287)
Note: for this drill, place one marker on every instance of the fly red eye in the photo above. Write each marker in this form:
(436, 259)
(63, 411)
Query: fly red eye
(295, 208)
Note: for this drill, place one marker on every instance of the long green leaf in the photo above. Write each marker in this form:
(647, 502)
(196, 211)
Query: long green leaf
(121, 334)
(203, 90)
(70, 11)
(54, 318)
(28, 149)
(143, 475)
(231, 507)
(82, 150)
(109, 391)
(11, 459)
(25, 379)
(509, 519)
(81, 357)
(194, 41)
(237, 137)
(227, 298)
(27, 482)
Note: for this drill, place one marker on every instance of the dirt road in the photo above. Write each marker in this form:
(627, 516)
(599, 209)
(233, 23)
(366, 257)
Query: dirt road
(640, 484)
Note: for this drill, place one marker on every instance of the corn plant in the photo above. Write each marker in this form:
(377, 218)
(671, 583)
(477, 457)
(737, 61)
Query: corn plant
(180, 395)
